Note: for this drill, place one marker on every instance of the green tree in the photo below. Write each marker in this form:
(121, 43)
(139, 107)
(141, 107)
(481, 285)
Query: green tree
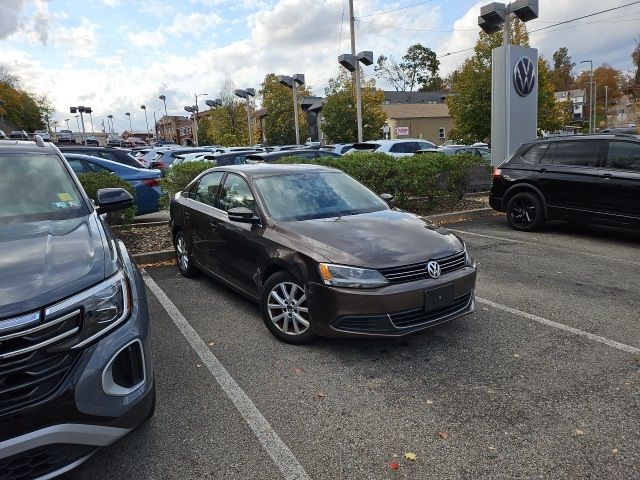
(419, 67)
(227, 125)
(339, 110)
(277, 100)
(561, 74)
(552, 115)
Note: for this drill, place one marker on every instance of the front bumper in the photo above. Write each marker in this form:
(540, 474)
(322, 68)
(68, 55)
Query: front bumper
(392, 310)
(48, 437)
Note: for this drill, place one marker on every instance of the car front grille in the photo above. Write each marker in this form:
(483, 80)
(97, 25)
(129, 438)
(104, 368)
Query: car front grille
(29, 370)
(42, 460)
(418, 271)
(418, 316)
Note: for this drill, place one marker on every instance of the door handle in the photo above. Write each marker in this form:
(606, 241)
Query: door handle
(543, 170)
(607, 176)
(187, 215)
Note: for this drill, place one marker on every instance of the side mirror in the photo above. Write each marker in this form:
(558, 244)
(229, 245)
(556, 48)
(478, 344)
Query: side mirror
(242, 215)
(387, 197)
(112, 200)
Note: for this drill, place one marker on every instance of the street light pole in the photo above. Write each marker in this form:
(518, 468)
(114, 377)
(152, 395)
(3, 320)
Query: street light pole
(606, 104)
(78, 121)
(130, 126)
(195, 116)
(356, 75)
(595, 104)
(164, 123)
(590, 62)
(67, 120)
(143, 107)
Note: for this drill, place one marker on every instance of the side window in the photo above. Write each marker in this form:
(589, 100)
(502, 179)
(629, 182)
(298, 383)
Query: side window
(208, 188)
(236, 193)
(624, 156)
(423, 145)
(98, 168)
(535, 154)
(402, 147)
(576, 153)
(78, 166)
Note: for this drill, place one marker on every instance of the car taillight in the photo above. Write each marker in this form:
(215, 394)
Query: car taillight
(497, 172)
(157, 165)
(151, 182)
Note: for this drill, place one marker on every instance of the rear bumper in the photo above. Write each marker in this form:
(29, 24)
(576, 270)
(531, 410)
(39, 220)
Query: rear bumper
(393, 310)
(496, 203)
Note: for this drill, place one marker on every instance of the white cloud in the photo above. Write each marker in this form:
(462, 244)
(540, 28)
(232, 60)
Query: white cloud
(10, 12)
(112, 3)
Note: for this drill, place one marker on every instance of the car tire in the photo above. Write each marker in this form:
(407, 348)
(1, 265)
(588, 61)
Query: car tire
(525, 211)
(285, 310)
(183, 257)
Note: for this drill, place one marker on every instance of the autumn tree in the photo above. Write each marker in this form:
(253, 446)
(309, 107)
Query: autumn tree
(21, 108)
(634, 81)
(419, 67)
(339, 111)
(277, 100)
(603, 76)
(561, 74)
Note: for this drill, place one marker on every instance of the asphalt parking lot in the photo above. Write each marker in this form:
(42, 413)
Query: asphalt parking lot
(542, 381)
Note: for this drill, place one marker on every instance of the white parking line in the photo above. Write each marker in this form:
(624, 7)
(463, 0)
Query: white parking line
(275, 447)
(551, 323)
(546, 245)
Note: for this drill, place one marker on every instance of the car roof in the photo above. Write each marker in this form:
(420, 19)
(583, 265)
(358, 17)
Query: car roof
(25, 146)
(257, 170)
(281, 153)
(593, 136)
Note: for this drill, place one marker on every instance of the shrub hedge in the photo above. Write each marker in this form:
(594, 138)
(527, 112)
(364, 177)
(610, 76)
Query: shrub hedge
(92, 182)
(428, 178)
(179, 176)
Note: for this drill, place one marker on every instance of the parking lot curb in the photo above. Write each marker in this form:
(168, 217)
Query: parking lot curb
(463, 215)
(154, 257)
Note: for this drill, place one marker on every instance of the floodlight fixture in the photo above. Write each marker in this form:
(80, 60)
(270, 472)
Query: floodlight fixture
(366, 58)
(348, 61)
(525, 10)
(299, 78)
(285, 80)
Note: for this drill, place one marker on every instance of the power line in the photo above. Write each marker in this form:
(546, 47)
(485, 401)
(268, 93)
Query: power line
(585, 16)
(416, 29)
(395, 9)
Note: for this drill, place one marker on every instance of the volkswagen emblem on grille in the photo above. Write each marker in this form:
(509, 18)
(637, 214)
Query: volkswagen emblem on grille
(524, 76)
(433, 268)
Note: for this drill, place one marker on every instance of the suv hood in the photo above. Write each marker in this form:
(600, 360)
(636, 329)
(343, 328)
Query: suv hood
(44, 262)
(382, 239)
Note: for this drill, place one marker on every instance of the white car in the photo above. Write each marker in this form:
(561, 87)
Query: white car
(395, 148)
(44, 134)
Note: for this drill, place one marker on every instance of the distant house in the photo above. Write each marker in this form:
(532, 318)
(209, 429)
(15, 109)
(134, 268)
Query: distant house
(430, 121)
(577, 99)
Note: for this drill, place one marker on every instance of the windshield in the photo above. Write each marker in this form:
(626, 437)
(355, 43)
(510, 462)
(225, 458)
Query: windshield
(304, 196)
(36, 187)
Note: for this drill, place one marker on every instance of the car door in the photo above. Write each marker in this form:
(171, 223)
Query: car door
(199, 216)
(236, 257)
(569, 178)
(620, 187)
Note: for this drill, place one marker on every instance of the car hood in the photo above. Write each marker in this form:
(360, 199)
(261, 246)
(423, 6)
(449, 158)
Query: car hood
(44, 262)
(382, 239)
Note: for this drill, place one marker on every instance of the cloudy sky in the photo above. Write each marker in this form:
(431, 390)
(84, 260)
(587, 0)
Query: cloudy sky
(115, 55)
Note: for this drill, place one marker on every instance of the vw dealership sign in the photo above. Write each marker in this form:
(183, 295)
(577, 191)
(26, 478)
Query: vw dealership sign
(524, 76)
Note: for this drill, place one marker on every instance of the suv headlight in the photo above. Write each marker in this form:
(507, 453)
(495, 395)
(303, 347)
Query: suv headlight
(468, 259)
(102, 307)
(344, 276)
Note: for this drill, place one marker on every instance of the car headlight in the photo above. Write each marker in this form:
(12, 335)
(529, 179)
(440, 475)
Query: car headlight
(343, 276)
(102, 308)
(468, 259)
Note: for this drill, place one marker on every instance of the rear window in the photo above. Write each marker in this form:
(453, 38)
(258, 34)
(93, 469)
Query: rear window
(535, 154)
(36, 187)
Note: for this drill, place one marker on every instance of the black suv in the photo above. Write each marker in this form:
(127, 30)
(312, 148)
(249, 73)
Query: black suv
(76, 369)
(590, 178)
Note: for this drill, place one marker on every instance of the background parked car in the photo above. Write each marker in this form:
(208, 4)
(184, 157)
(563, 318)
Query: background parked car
(19, 135)
(44, 134)
(113, 154)
(146, 182)
(91, 140)
(272, 157)
(395, 148)
(164, 158)
(589, 178)
(3, 136)
(483, 152)
(116, 141)
(66, 136)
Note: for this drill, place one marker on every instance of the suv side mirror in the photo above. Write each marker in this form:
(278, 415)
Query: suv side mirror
(387, 197)
(112, 200)
(242, 215)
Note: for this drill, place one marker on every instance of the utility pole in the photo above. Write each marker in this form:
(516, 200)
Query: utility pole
(606, 104)
(356, 73)
(595, 104)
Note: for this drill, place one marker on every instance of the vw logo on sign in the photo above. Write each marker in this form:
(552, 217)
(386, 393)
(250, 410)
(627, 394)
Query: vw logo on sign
(524, 76)
(433, 268)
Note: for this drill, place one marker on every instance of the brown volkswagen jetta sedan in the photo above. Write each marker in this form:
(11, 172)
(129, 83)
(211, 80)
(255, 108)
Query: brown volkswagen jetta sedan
(321, 253)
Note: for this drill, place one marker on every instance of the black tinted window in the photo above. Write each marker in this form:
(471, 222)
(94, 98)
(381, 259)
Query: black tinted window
(535, 154)
(624, 156)
(208, 188)
(583, 154)
(404, 147)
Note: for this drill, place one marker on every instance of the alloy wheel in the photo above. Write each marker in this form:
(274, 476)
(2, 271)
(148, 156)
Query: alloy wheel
(523, 212)
(287, 308)
(183, 254)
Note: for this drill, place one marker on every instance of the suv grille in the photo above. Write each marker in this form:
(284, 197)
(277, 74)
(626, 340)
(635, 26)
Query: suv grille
(41, 461)
(419, 316)
(418, 271)
(28, 370)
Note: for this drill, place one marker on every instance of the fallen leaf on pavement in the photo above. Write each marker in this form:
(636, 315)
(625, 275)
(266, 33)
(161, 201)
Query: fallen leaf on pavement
(319, 396)
(198, 365)
(394, 465)
(297, 370)
(615, 450)
(443, 435)
(410, 456)
(429, 402)
(211, 344)
(579, 432)
(517, 355)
